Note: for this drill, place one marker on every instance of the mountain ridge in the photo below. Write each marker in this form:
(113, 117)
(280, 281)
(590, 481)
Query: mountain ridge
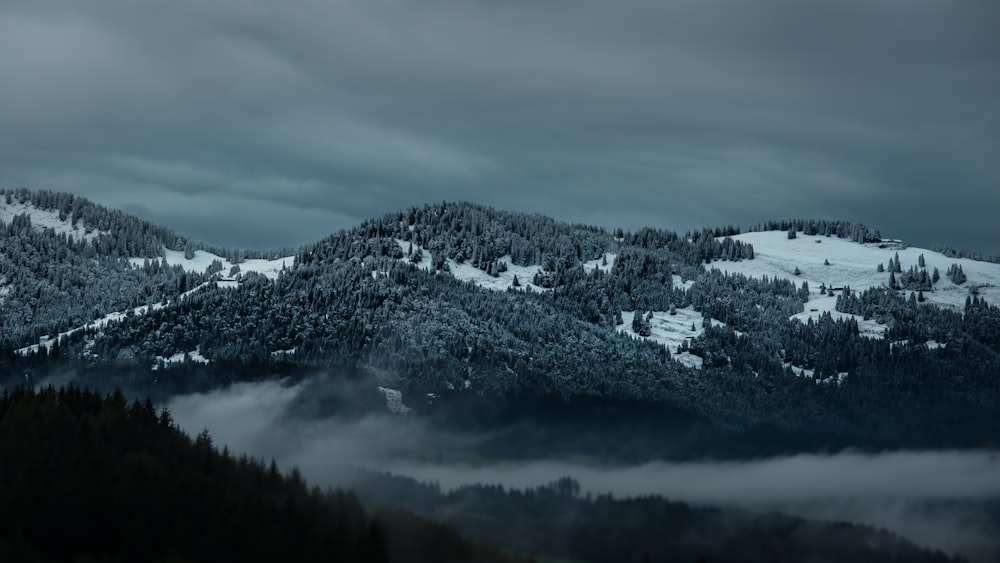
(649, 316)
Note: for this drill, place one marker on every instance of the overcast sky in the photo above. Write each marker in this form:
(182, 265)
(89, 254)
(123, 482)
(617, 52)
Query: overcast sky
(265, 123)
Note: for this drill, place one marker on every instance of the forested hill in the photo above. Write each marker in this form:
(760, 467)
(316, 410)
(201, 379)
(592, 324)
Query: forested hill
(822, 325)
(92, 478)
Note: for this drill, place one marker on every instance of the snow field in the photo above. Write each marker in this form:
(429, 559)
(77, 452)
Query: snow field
(179, 357)
(671, 331)
(855, 265)
(202, 260)
(41, 219)
(504, 280)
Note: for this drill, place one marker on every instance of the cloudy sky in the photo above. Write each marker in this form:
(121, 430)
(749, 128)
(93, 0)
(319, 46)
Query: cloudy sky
(264, 123)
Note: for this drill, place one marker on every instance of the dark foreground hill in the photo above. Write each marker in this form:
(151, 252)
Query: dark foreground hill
(91, 478)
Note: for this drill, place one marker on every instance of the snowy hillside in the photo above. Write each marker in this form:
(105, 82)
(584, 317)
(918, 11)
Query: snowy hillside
(502, 280)
(831, 262)
(112, 305)
(203, 260)
(672, 330)
(49, 341)
(44, 219)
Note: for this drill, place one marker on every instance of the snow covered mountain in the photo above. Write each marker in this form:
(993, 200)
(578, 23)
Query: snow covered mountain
(802, 324)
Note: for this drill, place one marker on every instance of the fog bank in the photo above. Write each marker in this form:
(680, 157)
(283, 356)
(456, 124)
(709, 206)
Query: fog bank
(934, 498)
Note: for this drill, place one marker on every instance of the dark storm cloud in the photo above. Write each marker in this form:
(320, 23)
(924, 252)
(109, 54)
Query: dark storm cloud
(680, 114)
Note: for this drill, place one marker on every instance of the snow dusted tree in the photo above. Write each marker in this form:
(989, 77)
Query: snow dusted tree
(215, 267)
(893, 284)
(641, 325)
(956, 274)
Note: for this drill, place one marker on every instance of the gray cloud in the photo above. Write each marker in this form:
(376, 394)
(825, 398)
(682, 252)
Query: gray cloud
(680, 115)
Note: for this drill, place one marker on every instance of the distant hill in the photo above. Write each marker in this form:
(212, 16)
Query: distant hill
(803, 326)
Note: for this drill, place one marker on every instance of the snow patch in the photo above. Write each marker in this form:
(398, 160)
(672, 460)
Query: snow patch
(603, 264)
(179, 358)
(469, 273)
(202, 260)
(680, 283)
(43, 219)
(672, 331)
(800, 371)
(394, 400)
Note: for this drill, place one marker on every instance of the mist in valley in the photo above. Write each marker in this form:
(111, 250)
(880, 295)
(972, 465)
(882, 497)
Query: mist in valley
(943, 500)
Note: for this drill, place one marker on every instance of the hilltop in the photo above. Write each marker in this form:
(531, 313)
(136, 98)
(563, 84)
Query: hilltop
(806, 326)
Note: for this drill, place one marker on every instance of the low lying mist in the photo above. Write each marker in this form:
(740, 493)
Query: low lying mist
(937, 499)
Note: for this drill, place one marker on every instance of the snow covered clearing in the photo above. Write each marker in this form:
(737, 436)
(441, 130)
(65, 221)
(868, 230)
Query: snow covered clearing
(837, 263)
(180, 358)
(394, 400)
(202, 260)
(468, 272)
(811, 374)
(603, 264)
(672, 331)
(679, 282)
(42, 219)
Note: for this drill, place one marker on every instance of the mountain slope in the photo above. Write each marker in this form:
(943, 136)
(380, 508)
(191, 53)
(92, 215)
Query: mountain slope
(716, 323)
